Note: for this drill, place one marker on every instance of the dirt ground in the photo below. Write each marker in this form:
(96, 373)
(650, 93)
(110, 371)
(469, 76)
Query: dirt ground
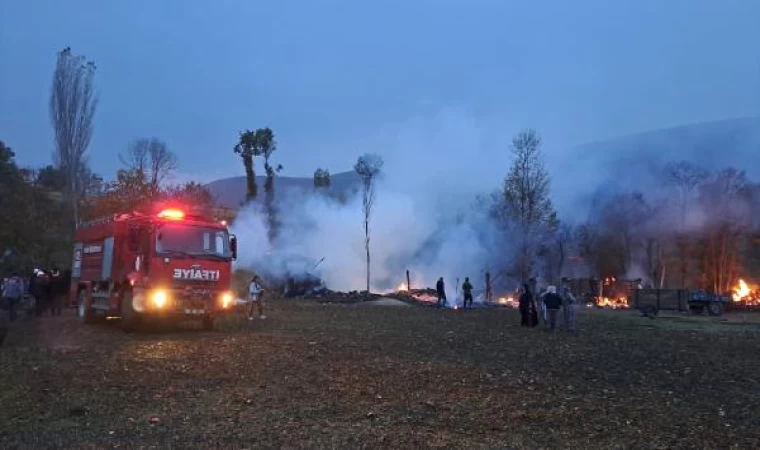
(345, 376)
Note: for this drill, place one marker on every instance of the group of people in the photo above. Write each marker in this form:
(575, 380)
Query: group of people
(48, 288)
(550, 302)
(546, 306)
(440, 288)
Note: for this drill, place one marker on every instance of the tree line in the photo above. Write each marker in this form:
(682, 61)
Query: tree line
(697, 229)
(42, 207)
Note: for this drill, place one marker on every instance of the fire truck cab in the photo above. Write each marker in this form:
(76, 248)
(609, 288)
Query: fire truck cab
(166, 265)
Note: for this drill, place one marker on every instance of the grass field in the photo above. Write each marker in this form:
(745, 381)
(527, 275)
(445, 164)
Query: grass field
(362, 376)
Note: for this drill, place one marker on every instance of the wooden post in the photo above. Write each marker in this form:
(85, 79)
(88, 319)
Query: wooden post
(408, 281)
(489, 293)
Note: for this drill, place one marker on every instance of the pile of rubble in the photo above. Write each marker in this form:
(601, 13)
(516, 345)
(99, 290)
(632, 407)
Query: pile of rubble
(329, 296)
(425, 296)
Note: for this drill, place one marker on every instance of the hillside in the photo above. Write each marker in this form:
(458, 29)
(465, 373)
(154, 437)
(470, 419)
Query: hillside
(624, 163)
(634, 161)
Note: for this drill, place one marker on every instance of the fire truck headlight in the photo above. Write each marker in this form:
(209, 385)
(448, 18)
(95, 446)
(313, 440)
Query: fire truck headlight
(159, 299)
(227, 299)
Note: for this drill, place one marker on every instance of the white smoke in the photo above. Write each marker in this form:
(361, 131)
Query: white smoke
(403, 236)
(422, 219)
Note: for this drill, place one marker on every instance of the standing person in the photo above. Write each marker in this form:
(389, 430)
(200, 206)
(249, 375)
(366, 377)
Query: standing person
(55, 286)
(47, 291)
(255, 294)
(12, 291)
(3, 320)
(440, 287)
(553, 302)
(525, 302)
(568, 306)
(467, 292)
(37, 290)
(542, 304)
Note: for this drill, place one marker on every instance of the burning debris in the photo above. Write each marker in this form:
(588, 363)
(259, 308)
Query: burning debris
(746, 296)
(612, 303)
(508, 301)
(426, 296)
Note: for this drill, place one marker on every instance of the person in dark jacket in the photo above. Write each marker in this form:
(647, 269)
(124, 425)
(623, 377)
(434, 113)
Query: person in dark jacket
(553, 303)
(38, 287)
(440, 287)
(467, 291)
(525, 302)
(56, 287)
(568, 307)
(13, 289)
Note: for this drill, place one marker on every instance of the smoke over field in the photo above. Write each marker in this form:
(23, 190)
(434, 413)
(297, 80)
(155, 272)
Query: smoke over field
(427, 218)
(404, 235)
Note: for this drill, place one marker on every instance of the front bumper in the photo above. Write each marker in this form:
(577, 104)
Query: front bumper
(161, 302)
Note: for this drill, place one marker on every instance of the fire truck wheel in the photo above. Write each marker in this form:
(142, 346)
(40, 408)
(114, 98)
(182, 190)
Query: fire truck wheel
(129, 318)
(208, 323)
(84, 309)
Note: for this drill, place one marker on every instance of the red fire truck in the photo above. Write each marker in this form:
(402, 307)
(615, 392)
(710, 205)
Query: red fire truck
(161, 265)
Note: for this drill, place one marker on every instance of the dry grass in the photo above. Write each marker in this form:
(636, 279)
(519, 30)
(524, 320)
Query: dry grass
(347, 376)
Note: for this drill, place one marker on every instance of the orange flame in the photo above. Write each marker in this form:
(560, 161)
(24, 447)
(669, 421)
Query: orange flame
(615, 303)
(506, 301)
(741, 291)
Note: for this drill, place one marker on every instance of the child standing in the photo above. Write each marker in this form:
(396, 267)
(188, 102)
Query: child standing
(255, 293)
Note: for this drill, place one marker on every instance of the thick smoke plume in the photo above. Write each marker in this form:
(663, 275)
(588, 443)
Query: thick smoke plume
(425, 219)
(404, 236)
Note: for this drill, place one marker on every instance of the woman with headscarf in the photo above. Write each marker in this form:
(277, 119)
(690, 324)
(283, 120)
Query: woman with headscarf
(568, 306)
(525, 305)
(553, 303)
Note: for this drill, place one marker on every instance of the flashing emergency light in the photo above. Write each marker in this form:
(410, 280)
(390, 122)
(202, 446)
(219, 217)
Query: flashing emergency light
(175, 214)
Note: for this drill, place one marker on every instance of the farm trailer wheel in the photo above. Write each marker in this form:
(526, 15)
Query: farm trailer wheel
(715, 309)
(696, 308)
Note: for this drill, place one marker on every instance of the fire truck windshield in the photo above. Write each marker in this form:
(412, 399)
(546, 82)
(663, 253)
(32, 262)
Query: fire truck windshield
(195, 241)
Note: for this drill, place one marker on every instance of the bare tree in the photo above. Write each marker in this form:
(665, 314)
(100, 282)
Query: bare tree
(563, 239)
(525, 195)
(368, 167)
(72, 108)
(684, 178)
(621, 218)
(725, 198)
(153, 159)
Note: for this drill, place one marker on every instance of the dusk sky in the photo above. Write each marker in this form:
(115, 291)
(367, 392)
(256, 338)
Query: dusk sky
(335, 79)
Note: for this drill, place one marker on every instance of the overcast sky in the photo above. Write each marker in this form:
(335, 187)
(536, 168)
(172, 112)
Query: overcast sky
(335, 79)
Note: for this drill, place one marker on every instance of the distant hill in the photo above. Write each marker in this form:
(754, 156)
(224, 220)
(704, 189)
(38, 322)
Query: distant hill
(621, 164)
(230, 192)
(634, 161)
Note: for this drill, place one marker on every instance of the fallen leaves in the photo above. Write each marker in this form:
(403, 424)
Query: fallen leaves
(352, 377)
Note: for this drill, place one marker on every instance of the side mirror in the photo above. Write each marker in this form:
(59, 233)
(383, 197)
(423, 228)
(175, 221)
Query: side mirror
(233, 246)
